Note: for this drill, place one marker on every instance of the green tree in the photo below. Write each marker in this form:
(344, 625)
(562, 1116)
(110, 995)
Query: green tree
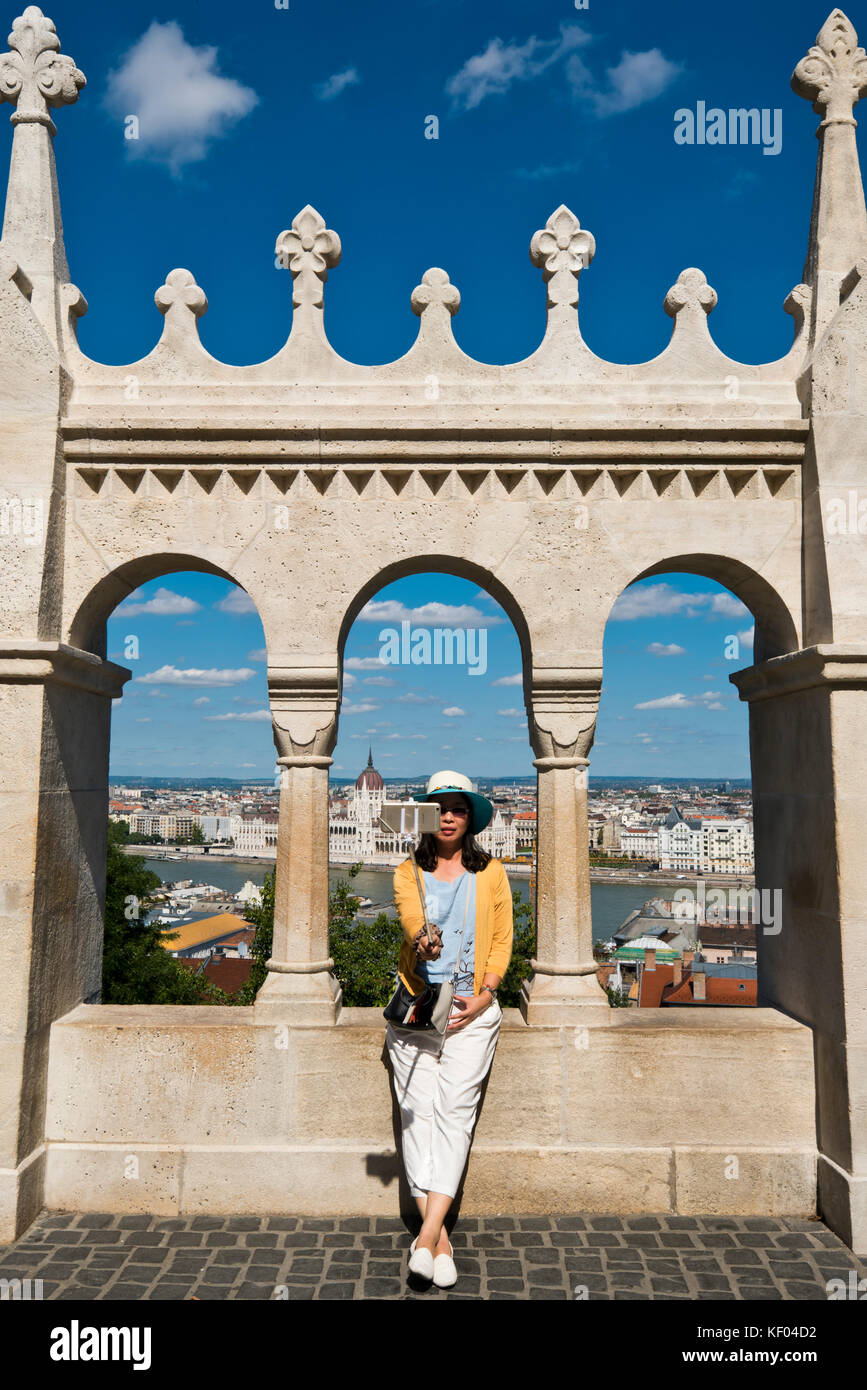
(261, 916)
(136, 968)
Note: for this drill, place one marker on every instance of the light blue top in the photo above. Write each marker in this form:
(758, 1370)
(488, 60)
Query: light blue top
(445, 909)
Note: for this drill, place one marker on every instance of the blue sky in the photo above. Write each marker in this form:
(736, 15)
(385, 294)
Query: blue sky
(244, 116)
(197, 702)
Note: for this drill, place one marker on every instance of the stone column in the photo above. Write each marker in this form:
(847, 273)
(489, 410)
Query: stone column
(55, 718)
(808, 713)
(300, 987)
(564, 987)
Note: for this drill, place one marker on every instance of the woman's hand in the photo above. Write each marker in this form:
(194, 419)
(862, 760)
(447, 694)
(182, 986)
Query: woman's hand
(429, 950)
(467, 1009)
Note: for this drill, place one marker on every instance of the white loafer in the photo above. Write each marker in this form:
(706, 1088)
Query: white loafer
(421, 1262)
(444, 1272)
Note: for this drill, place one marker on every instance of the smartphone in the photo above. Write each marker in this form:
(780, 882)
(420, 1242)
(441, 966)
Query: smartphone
(410, 817)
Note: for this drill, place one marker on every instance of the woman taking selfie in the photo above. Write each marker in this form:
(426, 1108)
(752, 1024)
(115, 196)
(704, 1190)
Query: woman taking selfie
(438, 1077)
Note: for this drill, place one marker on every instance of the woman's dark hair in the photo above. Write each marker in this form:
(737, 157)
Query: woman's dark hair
(473, 857)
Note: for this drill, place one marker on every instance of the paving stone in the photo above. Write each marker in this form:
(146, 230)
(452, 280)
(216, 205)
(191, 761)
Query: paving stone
(625, 1258)
(660, 1284)
(381, 1288)
(543, 1255)
(712, 1281)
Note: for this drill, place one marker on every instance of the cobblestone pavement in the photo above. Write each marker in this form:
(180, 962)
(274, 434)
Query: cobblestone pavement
(105, 1256)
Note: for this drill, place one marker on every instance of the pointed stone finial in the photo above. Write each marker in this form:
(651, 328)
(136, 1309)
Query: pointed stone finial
(691, 293)
(183, 302)
(834, 76)
(181, 295)
(35, 74)
(435, 293)
(834, 73)
(562, 250)
(309, 249)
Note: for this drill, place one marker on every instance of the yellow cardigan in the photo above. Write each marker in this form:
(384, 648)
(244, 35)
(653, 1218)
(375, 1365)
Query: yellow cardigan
(493, 922)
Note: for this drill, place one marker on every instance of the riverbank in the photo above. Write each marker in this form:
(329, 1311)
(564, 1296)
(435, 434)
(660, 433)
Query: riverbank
(643, 878)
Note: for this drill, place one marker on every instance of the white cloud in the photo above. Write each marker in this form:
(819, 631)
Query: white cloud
(426, 615)
(378, 680)
(257, 715)
(178, 96)
(665, 649)
(171, 675)
(260, 654)
(729, 606)
(364, 663)
(337, 83)
(747, 636)
(348, 708)
(509, 680)
(164, 603)
(453, 711)
(498, 66)
(663, 600)
(680, 701)
(236, 601)
(203, 700)
(511, 713)
(145, 720)
(636, 79)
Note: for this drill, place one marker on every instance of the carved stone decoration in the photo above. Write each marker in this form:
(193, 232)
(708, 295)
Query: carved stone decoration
(562, 250)
(181, 292)
(304, 705)
(562, 715)
(690, 292)
(309, 249)
(833, 75)
(11, 270)
(435, 292)
(35, 74)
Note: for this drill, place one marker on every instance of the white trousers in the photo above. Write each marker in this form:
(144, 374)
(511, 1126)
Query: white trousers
(438, 1093)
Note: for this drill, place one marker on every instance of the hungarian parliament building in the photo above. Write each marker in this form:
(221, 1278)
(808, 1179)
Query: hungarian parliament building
(355, 835)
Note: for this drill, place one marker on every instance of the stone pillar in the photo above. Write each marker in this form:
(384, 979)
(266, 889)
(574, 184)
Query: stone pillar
(300, 987)
(808, 713)
(55, 718)
(562, 713)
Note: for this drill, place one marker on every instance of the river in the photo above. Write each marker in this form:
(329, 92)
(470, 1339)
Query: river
(611, 902)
